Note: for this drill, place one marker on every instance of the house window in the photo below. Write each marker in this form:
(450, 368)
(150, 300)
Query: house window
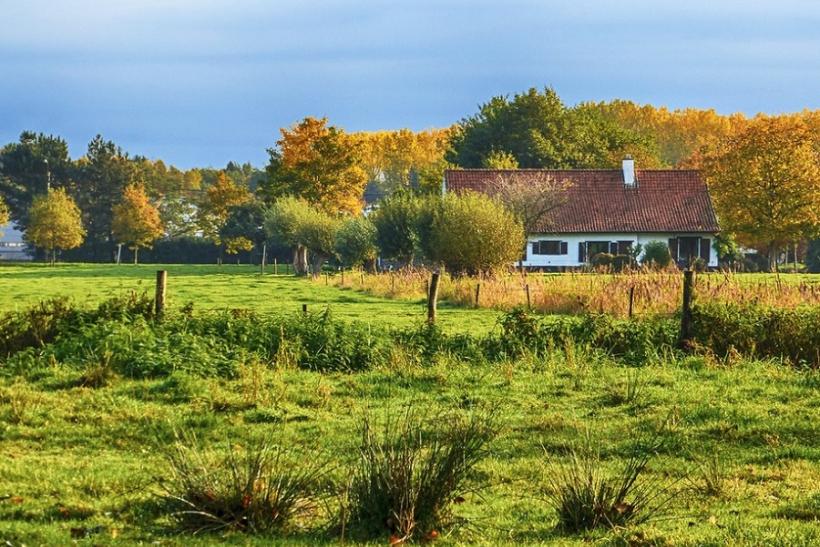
(549, 247)
(624, 248)
(684, 250)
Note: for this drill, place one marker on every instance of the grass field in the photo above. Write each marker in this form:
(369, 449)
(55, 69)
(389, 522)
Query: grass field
(220, 288)
(78, 464)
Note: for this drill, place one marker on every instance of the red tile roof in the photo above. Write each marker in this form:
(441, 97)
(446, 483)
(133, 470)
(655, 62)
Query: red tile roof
(597, 200)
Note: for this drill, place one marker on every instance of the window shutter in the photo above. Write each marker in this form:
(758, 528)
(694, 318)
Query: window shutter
(582, 255)
(706, 249)
(564, 249)
(673, 248)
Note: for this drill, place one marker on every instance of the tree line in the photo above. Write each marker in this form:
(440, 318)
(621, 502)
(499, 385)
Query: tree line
(763, 174)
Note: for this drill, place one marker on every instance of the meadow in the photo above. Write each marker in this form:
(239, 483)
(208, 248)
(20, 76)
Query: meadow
(87, 415)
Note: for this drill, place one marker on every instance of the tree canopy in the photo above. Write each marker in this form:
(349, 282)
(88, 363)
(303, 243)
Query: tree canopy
(766, 183)
(537, 130)
(136, 221)
(318, 163)
(54, 222)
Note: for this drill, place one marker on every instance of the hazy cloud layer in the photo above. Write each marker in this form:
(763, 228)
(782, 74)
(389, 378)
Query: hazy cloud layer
(202, 82)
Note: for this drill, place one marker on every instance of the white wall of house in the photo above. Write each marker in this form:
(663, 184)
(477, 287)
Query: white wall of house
(12, 246)
(573, 241)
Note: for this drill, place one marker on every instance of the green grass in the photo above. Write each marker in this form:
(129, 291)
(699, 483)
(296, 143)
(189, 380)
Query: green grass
(219, 288)
(81, 464)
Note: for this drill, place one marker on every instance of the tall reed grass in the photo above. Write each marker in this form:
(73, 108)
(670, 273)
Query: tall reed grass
(654, 292)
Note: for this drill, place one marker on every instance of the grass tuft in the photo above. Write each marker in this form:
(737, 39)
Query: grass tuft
(586, 495)
(258, 489)
(409, 475)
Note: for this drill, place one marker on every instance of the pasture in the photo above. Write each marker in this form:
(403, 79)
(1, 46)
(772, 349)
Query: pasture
(83, 433)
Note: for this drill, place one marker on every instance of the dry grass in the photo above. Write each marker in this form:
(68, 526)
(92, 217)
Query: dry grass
(654, 292)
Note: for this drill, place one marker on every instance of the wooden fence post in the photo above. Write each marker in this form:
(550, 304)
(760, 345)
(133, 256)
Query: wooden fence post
(275, 266)
(432, 298)
(264, 257)
(631, 300)
(529, 302)
(304, 309)
(686, 310)
(327, 278)
(159, 299)
(477, 293)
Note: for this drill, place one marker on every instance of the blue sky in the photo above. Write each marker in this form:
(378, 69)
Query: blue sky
(201, 82)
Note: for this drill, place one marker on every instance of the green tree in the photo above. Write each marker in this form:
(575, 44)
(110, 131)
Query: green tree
(55, 222)
(103, 174)
(538, 131)
(245, 227)
(471, 233)
(28, 168)
(396, 221)
(356, 242)
(310, 232)
(136, 221)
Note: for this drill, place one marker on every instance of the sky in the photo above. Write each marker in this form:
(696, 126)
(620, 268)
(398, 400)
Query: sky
(203, 82)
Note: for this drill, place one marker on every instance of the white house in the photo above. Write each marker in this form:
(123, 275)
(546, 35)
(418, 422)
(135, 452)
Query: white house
(12, 246)
(612, 211)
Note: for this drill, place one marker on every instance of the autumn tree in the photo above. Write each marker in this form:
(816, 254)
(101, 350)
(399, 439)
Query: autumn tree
(136, 222)
(766, 183)
(54, 222)
(4, 214)
(318, 163)
(219, 199)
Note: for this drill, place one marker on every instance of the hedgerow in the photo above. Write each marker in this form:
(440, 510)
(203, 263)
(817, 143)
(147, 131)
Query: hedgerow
(122, 336)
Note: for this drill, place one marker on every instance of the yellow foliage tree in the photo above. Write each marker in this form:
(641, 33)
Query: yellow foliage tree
(55, 223)
(235, 245)
(766, 183)
(220, 198)
(318, 163)
(391, 158)
(4, 214)
(136, 222)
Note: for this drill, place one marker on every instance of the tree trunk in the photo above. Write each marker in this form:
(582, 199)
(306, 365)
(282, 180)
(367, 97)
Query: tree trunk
(316, 264)
(773, 250)
(300, 260)
(136, 251)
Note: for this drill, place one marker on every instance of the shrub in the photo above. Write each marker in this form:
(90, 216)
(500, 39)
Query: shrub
(759, 330)
(396, 223)
(356, 242)
(408, 476)
(602, 260)
(254, 490)
(472, 233)
(586, 496)
(656, 254)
